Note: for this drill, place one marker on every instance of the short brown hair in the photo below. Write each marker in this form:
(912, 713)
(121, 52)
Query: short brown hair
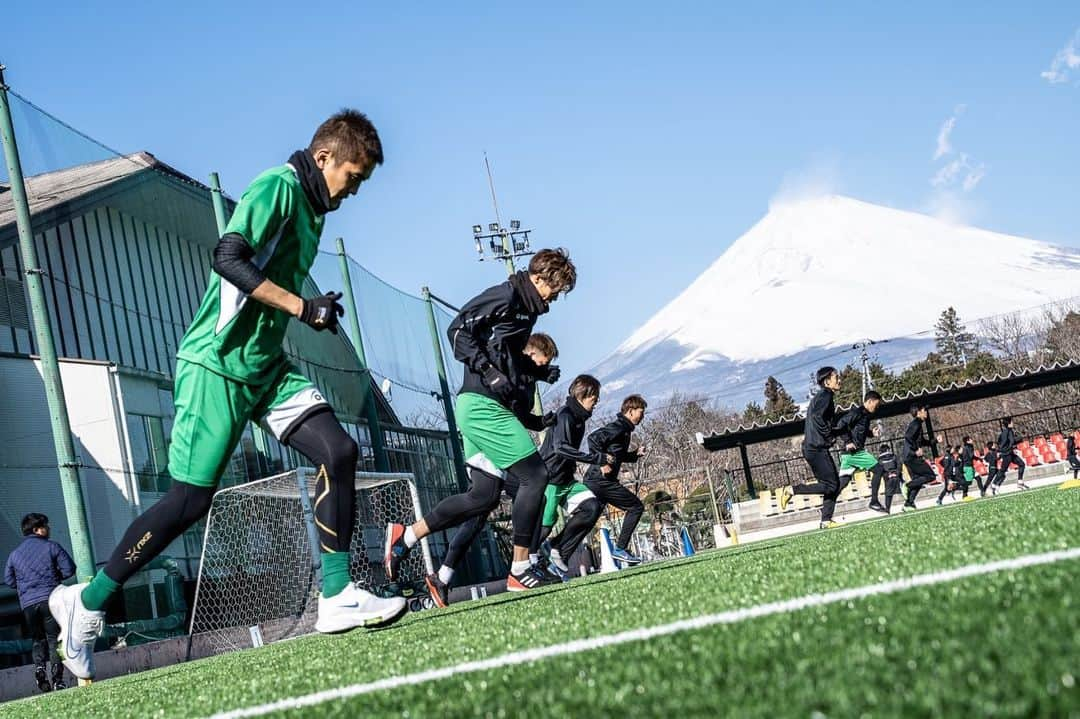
(634, 401)
(555, 268)
(584, 386)
(350, 136)
(543, 344)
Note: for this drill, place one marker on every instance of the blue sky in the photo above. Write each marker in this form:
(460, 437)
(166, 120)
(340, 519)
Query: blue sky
(644, 139)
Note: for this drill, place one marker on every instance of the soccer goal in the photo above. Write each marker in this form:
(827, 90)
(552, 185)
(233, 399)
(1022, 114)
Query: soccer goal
(260, 574)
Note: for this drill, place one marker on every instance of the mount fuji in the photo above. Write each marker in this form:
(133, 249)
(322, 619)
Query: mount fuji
(815, 276)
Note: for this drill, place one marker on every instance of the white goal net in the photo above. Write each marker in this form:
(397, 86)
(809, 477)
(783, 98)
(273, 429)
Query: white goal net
(260, 575)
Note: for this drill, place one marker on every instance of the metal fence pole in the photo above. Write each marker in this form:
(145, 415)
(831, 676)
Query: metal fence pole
(74, 508)
(712, 495)
(444, 390)
(371, 412)
(218, 200)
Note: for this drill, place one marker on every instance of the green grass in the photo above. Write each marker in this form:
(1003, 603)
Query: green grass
(1003, 644)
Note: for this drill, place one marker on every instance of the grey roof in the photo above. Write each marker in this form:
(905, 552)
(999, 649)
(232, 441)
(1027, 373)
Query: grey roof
(926, 393)
(54, 188)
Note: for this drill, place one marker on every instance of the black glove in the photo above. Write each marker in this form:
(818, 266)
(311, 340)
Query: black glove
(549, 374)
(549, 419)
(322, 312)
(497, 382)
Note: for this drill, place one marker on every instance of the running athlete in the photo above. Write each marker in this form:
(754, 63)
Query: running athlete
(854, 427)
(561, 452)
(1007, 442)
(488, 337)
(603, 480)
(912, 456)
(540, 349)
(231, 369)
(817, 449)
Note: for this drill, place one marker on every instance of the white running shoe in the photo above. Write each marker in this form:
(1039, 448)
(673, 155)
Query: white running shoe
(557, 560)
(79, 629)
(354, 607)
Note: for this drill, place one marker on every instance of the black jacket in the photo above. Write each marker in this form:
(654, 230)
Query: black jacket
(820, 421)
(613, 439)
(492, 329)
(1006, 441)
(560, 448)
(1070, 446)
(854, 427)
(991, 459)
(967, 456)
(889, 464)
(913, 440)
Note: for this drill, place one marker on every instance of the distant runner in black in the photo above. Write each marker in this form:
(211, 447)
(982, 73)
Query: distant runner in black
(1007, 442)
(912, 456)
(820, 434)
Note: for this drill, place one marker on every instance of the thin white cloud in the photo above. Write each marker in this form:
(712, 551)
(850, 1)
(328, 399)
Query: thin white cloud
(960, 172)
(974, 177)
(1067, 59)
(944, 144)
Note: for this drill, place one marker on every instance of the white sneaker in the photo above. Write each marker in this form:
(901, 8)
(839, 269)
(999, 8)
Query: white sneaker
(79, 629)
(354, 607)
(557, 560)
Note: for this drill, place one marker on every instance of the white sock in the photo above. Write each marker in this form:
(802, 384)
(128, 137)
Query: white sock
(410, 537)
(446, 574)
(520, 567)
(557, 560)
(534, 558)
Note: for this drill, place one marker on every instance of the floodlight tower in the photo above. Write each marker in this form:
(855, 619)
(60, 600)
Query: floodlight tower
(506, 244)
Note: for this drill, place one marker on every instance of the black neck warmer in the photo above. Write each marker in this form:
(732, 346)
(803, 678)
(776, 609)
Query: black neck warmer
(534, 303)
(576, 409)
(312, 180)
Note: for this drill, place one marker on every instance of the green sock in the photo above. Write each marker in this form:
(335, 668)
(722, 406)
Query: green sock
(335, 572)
(99, 591)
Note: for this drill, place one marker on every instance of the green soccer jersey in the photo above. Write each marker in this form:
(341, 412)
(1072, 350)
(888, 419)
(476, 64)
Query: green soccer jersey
(231, 334)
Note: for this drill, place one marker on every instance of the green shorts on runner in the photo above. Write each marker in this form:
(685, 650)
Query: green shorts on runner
(212, 412)
(490, 429)
(969, 474)
(859, 460)
(567, 496)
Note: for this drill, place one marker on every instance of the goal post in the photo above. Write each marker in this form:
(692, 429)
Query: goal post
(260, 572)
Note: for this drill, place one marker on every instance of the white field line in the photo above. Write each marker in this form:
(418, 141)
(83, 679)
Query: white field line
(635, 635)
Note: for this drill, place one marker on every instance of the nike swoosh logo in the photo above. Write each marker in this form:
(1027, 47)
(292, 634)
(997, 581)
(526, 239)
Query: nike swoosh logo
(354, 605)
(67, 645)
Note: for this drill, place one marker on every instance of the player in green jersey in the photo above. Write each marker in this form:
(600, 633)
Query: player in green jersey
(231, 369)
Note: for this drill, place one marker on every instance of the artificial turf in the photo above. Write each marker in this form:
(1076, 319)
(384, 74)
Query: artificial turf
(1004, 644)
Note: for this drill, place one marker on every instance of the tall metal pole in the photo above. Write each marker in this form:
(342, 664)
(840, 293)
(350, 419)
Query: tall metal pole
(712, 495)
(444, 390)
(74, 509)
(218, 200)
(371, 412)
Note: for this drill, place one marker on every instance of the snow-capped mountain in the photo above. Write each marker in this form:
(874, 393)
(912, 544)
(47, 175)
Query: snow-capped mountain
(821, 274)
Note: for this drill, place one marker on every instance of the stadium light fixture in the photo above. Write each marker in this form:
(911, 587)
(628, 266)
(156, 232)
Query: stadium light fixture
(515, 224)
(477, 229)
(493, 227)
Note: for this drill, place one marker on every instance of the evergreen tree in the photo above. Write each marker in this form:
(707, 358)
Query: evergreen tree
(955, 345)
(753, 413)
(778, 403)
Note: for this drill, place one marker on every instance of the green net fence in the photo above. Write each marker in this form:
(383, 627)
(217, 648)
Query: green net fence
(398, 341)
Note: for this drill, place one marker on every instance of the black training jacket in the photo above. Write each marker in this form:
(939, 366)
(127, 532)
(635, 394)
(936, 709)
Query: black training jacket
(991, 459)
(854, 427)
(613, 439)
(493, 328)
(1006, 441)
(560, 449)
(913, 440)
(820, 420)
(967, 456)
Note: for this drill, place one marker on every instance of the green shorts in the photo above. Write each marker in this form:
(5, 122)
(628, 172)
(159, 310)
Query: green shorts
(490, 429)
(212, 412)
(969, 474)
(568, 496)
(859, 460)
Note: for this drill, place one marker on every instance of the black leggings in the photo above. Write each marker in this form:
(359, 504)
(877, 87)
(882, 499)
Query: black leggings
(1075, 464)
(828, 484)
(921, 475)
(530, 476)
(612, 492)
(577, 527)
(319, 437)
(1007, 460)
(333, 453)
